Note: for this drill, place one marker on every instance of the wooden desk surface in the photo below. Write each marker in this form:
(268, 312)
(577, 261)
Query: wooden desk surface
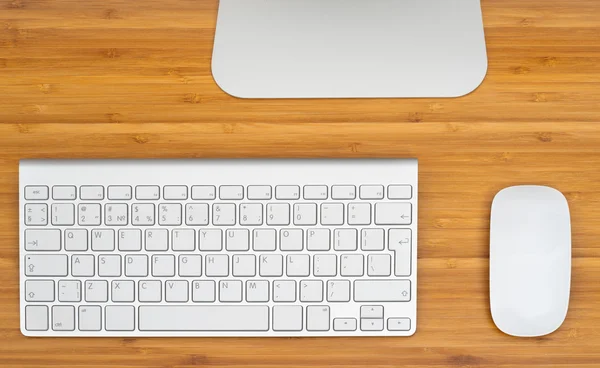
(117, 78)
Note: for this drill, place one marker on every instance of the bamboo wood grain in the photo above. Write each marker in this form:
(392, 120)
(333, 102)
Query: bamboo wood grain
(127, 79)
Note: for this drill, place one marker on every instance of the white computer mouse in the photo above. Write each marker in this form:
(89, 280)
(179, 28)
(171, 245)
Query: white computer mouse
(530, 260)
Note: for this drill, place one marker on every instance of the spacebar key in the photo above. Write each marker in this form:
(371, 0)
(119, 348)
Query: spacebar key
(204, 318)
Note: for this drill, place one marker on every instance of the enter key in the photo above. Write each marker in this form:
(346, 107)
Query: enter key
(400, 241)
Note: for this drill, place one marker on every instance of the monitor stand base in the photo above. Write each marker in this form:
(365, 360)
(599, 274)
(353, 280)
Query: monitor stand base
(349, 48)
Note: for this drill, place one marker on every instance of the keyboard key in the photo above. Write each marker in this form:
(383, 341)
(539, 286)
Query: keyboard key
(142, 214)
(217, 265)
(264, 240)
(196, 214)
(325, 265)
(183, 240)
(36, 318)
(399, 192)
(63, 214)
(305, 214)
(119, 192)
(96, 291)
(371, 324)
(175, 192)
(298, 265)
(91, 192)
(371, 311)
(398, 324)
(352, 265)
(284, 291)
(203, 291)
(116, 214)
(244, 265)
(343, 192)
(338, 291)
(316, 192)
(120, 318)
(332, 214)
(318, 240)
(109, 266)
(82, 265)
(176, 291)
(393, 214)
(42, 240)
(237, 239)
(224, 214)
(69, 291)
(89, 214)
(291, 239)
(382, 290)
(36, 214)
(271, 265)
(204, 193)
(46, 265)
(210, 240)
(257, 291)
(64, 192)
(278, 214)
(251, 214)
(371, 192)
(130, 239)
(311, 291)
(288, 192)
(136, 265)
(231, 192)
(190, 266)
(230, 291)
(63, 318)
(90, 318)
(344, 324)
(36, 193)
(147, 192)
(163, 265)
(156, 240)
(76, 240)
(169, 214)
(103, 240)
(39, 290)
(345, 239)
(379, 265)
(317, 318)
(400, 242)
(204, 318)
(372, 239)
(359, 214)
(287, 318)
(259, 192)
(150, 291)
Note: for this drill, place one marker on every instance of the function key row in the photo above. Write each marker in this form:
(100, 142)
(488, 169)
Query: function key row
(223, 192)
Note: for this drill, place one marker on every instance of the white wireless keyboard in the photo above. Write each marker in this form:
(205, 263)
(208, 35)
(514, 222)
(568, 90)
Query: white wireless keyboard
(218, 247)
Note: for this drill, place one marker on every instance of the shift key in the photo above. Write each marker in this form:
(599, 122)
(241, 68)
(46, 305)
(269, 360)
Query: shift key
(46, 265)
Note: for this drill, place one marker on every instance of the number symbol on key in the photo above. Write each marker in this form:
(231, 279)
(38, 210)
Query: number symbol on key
(149, 218)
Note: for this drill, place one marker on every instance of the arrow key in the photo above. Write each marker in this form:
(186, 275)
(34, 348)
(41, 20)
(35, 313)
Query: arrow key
(344, 324)
(371, 311)
(371, 324)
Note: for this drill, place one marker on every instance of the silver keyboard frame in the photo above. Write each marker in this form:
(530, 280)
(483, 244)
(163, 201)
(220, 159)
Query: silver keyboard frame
(217, 172)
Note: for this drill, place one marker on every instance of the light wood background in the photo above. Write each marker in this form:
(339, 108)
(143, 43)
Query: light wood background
(118, 78)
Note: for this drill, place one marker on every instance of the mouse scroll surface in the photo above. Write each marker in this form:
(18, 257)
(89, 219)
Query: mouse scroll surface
(530, 260)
